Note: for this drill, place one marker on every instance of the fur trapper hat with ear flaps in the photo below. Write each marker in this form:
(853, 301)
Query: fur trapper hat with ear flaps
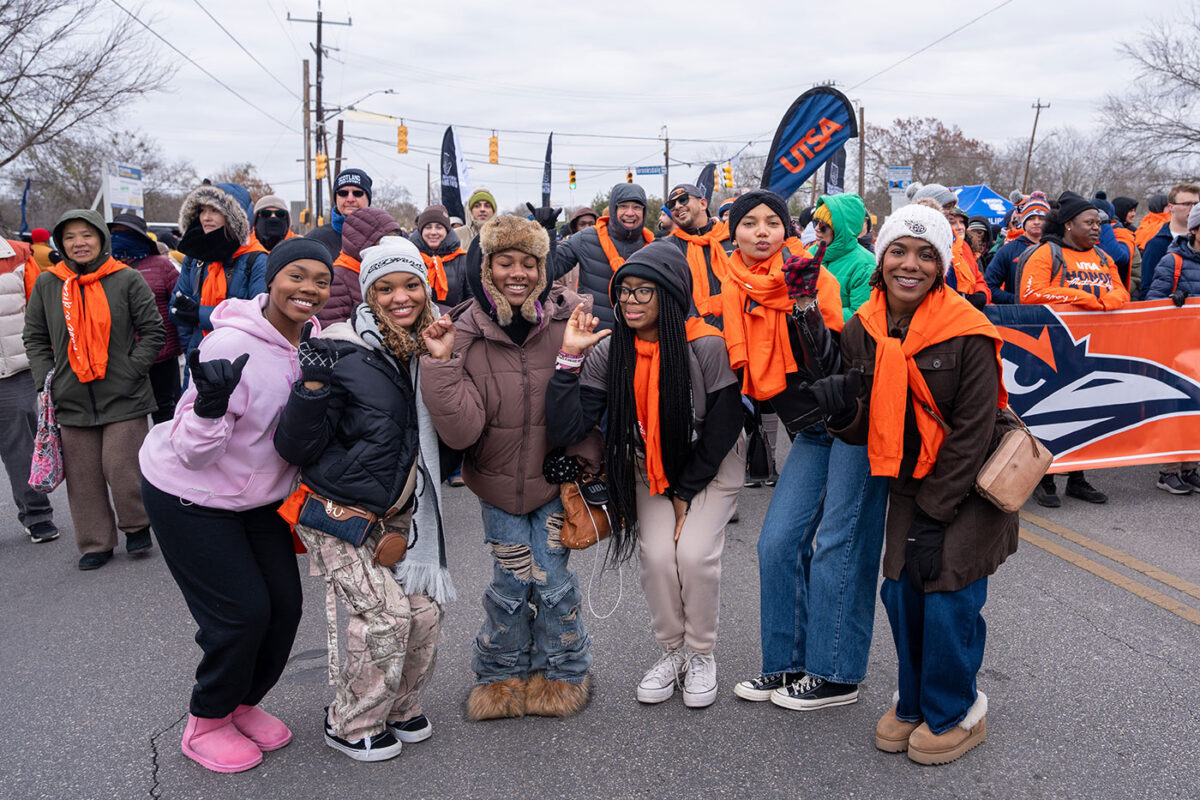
(506, 232)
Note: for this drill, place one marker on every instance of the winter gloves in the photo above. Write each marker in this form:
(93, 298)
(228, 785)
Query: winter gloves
(545, 216)
(215, 381)
(977, 299)
(185, 309)
(923, 550)
(1178, 297)
(837, 395)
(317, 357)
(800, 274)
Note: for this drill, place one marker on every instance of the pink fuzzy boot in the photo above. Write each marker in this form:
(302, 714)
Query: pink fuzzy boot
(264, 729)
(218, 745)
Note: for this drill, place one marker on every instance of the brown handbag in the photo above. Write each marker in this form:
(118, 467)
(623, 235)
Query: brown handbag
(585, 513)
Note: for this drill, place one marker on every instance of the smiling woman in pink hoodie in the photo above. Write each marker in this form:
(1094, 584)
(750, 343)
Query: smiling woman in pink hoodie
(213, 483)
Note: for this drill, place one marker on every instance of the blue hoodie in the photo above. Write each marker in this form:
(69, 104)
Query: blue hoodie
(1153, 252)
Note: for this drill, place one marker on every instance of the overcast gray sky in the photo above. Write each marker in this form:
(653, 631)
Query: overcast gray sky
(722, 71)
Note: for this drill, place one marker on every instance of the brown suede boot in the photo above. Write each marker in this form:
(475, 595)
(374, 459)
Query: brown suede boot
(891, 732)
(926, 748)
(545, 698)
(497, 700)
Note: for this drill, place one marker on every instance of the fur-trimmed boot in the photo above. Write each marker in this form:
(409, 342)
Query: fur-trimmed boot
(497, 700)
(218, 745)
(546, 698)
(924, 747)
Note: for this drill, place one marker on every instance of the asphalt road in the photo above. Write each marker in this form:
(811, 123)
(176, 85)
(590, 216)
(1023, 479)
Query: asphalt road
(1094, 690)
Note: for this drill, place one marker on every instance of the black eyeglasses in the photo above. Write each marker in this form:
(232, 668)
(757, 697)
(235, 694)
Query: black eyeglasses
(681, 200)
(279, 213)
(349, 192)
(640, 294)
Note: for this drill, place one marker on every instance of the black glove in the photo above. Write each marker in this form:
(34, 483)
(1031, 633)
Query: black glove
(1178, 297)
(316, 356)
(923, 550)
(977, 299)
(185, 309)
(545, 216)
(215, 381)
(837, 395)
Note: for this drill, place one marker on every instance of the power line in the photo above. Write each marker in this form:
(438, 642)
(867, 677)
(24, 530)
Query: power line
(191, 61)
(253, 58)
(966, 24)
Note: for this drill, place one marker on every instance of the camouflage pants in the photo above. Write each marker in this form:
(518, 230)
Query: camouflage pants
(391, 638)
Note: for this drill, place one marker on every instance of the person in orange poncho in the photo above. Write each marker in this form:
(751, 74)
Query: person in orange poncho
(221, 260)
(919, 356)
(93, 321)
(673, 468)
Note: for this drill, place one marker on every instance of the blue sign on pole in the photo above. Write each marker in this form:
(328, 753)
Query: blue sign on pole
(654, 170)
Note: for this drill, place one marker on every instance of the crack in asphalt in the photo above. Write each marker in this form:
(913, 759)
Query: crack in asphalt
(155, 789)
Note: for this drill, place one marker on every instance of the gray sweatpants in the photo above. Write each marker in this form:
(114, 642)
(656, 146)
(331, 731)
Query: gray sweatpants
(96, 460)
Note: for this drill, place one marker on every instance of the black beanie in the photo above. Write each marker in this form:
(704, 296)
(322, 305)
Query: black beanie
(294, 249)
(354, 177)
(664, 264)
(746, 202)
(1157, 203)
(1123, 205)
(1070, 206)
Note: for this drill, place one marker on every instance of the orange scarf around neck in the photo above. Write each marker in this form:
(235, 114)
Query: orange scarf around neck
(89, 321)
(708, 304)
(606, 243)
(349, 262)
(437, 272)
(942, 315)
(646, 397)
(755, 306)
(215, 286)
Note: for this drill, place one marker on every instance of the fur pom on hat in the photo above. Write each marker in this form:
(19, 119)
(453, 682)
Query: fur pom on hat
(507, 232)
(920, 222)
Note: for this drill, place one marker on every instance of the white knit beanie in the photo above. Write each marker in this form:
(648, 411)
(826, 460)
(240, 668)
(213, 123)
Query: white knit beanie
(392, 254)
(920, 222)
(1194, 218)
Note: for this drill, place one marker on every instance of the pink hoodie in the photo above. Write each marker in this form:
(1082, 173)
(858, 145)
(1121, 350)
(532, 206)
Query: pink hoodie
(230, 463)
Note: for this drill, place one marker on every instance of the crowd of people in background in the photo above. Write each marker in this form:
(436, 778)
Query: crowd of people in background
(223, 389)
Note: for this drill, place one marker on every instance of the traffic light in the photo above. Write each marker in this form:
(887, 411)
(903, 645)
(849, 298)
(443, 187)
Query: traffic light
(629, 176)
(572, 180)
(322, 165)
(305, 216)
(402, 139)
(493, 150)
(716, 180)
(728, 171)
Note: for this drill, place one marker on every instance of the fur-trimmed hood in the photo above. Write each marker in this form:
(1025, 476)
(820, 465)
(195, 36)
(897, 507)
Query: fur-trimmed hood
(228, 199)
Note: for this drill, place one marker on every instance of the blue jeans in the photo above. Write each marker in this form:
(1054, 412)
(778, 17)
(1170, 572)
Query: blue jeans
(825, 492)
(532, 606)
(939, 645)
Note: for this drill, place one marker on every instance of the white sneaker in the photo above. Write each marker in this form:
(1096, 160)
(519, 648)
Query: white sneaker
(659, 683)
(700, 680)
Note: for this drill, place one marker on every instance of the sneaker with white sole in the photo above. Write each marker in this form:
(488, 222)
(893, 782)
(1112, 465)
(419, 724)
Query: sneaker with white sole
(658, 684)
(1172, 483)
(417, 729)
(760, 688)
(700, 680)
(810, 693)
(1190, 478)
(379, 747)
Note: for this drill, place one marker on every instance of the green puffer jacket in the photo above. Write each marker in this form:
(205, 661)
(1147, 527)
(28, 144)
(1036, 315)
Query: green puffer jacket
(136, 336)
(850, 262)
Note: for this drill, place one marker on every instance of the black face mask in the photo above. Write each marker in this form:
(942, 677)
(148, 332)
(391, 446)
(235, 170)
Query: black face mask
(270, 230)
(206, 247)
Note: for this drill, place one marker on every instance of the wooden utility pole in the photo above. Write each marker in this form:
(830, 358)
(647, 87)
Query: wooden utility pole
(666, 164)
(862, 153)
(428, 185)
(308, 161)
(1029, 156)
(337, 158)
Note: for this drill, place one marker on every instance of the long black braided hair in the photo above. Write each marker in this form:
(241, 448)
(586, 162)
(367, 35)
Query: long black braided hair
(674, 413)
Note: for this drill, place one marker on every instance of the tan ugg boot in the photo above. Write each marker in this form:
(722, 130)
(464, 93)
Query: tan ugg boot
(926, 748)
(545, 698)
(891, 732)
(497, 700)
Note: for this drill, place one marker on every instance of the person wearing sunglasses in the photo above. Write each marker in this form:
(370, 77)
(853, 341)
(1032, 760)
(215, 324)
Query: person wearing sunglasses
(351, 191)
(702, 243)
(838, 220)
(671, 454)
(272, 223)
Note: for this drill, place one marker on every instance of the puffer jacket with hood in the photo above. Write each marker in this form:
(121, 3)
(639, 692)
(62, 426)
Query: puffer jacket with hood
(135, 337)
(850, 262)
(1001, 273)
(362, 229)
(489, 398)
(1163, 282)
(454, 264)
(17, 275)
(230, 462)
(245, 274)
(584, 249)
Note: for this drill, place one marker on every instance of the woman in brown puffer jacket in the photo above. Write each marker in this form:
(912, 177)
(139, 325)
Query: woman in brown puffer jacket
(484, 381)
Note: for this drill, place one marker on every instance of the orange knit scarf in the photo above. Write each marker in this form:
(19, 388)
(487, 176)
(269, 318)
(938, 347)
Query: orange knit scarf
(646, 397)
(755, 306)
(942, 315)
(89, 321)
(434, 266)
(215, 287)
(349, 262)
(606, 243)
(708, 304)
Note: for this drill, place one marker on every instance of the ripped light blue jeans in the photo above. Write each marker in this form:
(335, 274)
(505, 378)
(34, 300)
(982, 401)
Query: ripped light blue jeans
(532, 608)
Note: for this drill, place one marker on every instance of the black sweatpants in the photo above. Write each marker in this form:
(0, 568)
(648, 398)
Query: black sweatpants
(238, 574)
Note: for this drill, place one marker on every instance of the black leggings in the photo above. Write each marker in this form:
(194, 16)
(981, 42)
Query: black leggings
(237, 571)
